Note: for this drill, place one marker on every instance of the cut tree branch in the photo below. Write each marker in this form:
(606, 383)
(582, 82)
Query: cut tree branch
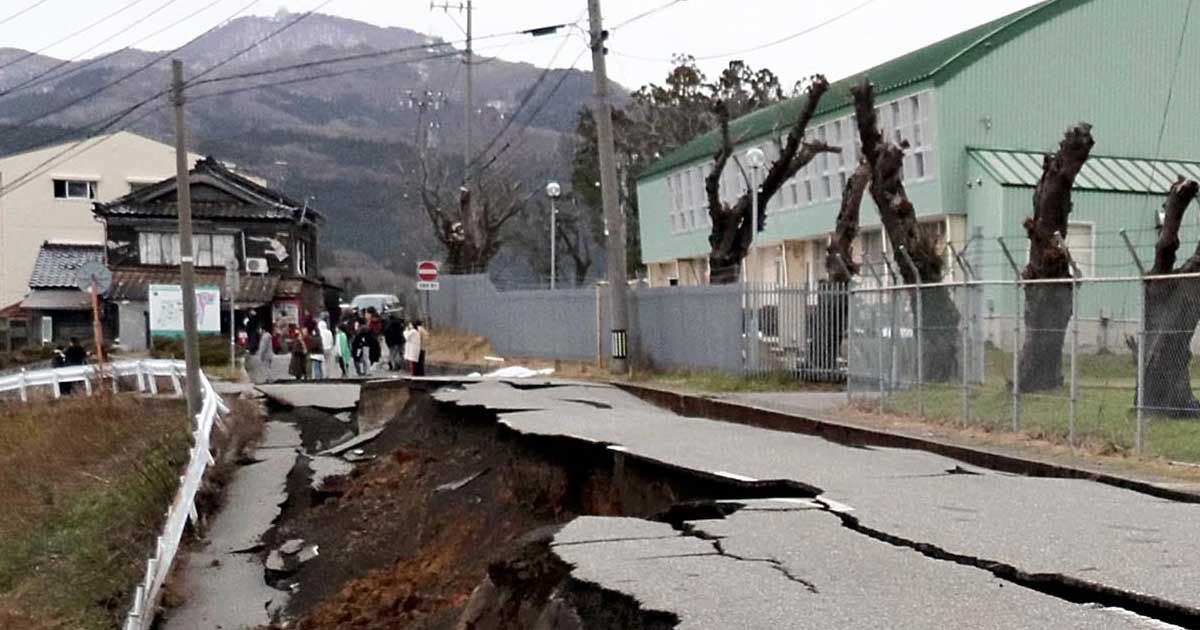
(1181, 195)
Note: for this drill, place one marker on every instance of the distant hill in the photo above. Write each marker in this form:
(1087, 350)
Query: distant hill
(340, 139)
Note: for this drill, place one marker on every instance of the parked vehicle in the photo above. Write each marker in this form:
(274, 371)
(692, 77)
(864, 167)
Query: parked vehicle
(383, 302)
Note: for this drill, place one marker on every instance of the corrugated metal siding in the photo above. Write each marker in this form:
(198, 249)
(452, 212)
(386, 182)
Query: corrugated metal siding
(1107, 62)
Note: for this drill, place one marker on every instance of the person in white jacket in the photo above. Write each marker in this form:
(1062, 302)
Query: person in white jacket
(412, 348)
(327, 347)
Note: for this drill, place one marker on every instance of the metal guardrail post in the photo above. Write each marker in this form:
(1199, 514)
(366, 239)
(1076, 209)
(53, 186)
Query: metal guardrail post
(22, 385)
(918, 334)
(1017, 319)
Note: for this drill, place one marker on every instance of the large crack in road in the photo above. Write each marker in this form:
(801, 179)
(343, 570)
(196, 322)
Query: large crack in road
(546, 504)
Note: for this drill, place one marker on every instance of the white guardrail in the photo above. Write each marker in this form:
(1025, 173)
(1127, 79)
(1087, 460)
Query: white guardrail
(183, 506)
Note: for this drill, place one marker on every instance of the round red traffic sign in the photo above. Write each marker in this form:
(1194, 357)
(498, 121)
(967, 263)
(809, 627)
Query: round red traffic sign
(427, 270)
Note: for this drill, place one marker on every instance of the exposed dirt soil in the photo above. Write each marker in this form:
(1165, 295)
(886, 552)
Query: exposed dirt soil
(397, 551)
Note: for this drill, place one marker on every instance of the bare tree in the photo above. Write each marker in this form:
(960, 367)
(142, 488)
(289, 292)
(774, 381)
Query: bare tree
(939, 346)
(1048, 306)
(731, 234)
(1172, 310)
(467, 223)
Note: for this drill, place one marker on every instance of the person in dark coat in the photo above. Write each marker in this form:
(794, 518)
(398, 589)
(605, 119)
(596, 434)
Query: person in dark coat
(393, 335)
(360, 351)
(75, 354)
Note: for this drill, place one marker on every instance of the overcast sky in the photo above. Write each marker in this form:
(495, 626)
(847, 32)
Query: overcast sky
(868, 31)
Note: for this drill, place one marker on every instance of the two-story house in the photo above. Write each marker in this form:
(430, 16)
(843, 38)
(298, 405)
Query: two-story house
(979, 110)
(272, 239)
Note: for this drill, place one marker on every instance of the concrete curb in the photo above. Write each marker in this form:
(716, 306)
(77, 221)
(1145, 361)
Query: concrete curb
(700, 406)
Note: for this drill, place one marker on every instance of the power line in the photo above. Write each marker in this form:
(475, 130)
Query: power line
(646, 14)
(788, 38)
(121, 79)
(98, 44)
(554, 90)
(262, 40)
(18, 14)
(71, 35)
(520, 106)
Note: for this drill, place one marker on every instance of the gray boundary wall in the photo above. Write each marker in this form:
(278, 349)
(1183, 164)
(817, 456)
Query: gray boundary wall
(676, 327)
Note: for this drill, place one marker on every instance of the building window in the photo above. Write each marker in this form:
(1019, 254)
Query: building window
(74, 189)
(1082, 247)
(162, 248)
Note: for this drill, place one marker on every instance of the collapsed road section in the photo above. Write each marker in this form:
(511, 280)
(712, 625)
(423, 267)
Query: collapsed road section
(543, 504)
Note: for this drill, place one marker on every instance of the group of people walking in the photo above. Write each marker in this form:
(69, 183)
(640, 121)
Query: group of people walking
(356, 342)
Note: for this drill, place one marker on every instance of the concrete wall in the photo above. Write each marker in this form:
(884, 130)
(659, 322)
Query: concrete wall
(30, 215)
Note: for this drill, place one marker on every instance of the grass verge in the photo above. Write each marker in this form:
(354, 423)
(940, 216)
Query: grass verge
(84, 483)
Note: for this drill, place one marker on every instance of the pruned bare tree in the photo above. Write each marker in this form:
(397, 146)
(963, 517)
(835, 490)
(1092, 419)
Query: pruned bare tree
(1172, 311)
(839, 258)
(1048, 306)
(468, 223)
(731, 234)
(939, 348)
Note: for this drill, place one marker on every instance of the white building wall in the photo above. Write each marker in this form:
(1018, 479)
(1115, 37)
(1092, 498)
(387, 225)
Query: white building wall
(30, 214)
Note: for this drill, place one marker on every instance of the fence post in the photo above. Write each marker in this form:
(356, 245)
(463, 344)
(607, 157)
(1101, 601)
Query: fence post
(875, 325)
(964, 332)
(1072, 348)
(1018, 317)
(1139, 430)
(918, 334)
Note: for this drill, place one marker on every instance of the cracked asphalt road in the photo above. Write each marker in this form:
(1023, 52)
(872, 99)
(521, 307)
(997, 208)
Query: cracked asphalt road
(1114, 540)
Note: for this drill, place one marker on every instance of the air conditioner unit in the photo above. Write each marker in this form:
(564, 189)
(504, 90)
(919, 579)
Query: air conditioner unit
(256, 265)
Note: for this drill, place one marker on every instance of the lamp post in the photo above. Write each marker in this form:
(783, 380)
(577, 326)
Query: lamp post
(756, 158)
(553, 191)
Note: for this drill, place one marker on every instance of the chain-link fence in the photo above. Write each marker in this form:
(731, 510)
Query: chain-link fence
(1103, 363)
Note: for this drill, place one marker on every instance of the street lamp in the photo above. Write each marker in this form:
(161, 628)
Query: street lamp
(553, 191)
(756, 158)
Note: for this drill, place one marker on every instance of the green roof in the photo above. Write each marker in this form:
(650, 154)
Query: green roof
(950, 54)
(1100, 172)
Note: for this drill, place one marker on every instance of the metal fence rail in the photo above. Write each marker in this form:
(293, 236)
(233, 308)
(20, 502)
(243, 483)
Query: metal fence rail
(146, 372)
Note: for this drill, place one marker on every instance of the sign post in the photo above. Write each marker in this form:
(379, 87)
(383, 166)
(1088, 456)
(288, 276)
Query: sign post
(427, 281)
(95, 278)
(232, 286)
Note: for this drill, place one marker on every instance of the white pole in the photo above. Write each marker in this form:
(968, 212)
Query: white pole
(751, 267)
(553, 242)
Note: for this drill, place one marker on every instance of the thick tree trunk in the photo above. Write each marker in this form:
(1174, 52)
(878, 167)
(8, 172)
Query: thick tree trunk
(731, 234)
(1048, 306)
(1172, 311)
(940, 319)
(833, 304)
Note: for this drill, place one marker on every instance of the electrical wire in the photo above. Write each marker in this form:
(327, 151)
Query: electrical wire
(98, 44)
(788, 38)
(89, 27)
(529, 94)
(69, 104)
(645, 14)
(21, 12)
(561, 80)
(268, 37)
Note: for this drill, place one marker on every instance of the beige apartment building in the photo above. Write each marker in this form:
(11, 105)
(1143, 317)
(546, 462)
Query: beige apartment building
(48, 195)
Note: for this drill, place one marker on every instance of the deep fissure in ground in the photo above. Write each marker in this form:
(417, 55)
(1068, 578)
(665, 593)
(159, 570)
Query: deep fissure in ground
(451, 527)
(451, 524)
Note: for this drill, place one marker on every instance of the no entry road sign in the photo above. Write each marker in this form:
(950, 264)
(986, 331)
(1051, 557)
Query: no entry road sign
(427, 271)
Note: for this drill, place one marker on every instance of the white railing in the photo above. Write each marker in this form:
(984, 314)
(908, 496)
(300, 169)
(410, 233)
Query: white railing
(183, 506)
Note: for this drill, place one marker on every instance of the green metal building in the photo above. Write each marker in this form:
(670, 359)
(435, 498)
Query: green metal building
(980, 110)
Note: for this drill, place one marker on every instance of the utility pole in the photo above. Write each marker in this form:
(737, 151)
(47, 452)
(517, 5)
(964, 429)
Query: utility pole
(469, 106)
(183, 195)
(609, 192)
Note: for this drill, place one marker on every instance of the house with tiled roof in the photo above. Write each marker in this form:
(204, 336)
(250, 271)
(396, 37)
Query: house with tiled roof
(979, 110)
(270, 238)
(55, 308)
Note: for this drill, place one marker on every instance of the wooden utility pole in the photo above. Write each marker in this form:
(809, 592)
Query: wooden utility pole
(469, 107)
(609, 193)
(183, 196)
